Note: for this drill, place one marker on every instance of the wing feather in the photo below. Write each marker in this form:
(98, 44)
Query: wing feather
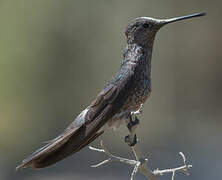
(86, 127)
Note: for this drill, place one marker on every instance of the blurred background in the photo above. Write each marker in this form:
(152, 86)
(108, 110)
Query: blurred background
(57, 55)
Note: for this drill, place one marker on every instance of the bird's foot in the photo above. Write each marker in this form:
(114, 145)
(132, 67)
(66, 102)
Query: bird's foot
(133, 122)
(131, 141)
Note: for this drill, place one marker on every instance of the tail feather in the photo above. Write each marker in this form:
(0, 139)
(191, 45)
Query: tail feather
(82, 131)
(58, 149)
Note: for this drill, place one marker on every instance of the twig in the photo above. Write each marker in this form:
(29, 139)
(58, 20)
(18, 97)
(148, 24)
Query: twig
(183, 168)
(136, 164)
(140, 164)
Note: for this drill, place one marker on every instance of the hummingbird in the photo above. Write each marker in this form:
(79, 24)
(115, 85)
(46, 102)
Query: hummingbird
(125, 93)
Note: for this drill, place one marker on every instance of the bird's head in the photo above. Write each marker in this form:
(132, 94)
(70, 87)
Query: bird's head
(142, 30)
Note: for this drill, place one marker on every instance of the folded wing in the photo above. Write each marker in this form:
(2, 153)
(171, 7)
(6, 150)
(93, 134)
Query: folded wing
(86, 127)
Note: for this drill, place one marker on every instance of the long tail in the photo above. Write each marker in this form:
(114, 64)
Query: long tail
(82, 131)
(58, 149)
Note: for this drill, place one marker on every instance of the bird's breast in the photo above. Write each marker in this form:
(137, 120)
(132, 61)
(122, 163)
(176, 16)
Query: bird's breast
(140, 92)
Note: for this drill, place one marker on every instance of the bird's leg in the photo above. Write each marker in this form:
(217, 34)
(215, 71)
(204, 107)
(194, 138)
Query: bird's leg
(140, 164)
(131, 139)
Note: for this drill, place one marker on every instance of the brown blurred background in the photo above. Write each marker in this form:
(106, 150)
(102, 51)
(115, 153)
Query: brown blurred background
(57, 55)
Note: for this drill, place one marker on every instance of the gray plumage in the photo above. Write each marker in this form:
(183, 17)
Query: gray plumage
(130, 87)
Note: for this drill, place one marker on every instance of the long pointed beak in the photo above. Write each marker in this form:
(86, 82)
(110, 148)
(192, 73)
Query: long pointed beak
(167, 21)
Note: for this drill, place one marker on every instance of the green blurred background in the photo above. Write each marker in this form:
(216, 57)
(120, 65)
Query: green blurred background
(56, 55)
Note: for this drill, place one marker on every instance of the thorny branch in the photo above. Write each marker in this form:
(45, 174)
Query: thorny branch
(140, 164)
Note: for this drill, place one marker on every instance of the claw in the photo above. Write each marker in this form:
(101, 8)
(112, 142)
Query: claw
(131, 142)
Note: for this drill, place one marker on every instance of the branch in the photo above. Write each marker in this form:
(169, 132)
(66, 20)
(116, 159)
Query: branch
(111, 156)
(183, 168)
(140, 165)
(136, 164)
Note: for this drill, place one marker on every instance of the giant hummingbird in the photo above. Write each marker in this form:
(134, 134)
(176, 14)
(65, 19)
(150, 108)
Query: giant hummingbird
(124, 94)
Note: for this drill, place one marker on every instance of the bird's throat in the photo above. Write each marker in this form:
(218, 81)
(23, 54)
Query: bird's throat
(135, 55)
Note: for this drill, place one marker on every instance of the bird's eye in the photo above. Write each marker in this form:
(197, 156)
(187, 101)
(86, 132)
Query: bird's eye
(146, 25)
